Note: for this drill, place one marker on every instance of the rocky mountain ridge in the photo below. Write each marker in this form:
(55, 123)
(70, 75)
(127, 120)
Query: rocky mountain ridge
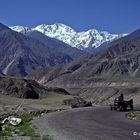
(21, 54)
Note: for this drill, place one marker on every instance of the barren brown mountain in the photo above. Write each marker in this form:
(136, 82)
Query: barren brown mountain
(100, 77)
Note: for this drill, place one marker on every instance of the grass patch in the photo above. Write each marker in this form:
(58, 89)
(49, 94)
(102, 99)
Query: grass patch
(24, 129)
(134, 115)
(46, 137)
(6, 132)
(26, 118)
(27, 130)
(25, 126)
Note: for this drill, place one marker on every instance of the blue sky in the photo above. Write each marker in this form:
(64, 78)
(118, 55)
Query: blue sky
(115, 16)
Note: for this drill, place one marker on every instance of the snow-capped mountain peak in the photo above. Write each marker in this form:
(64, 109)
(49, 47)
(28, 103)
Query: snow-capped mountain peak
(20, 28)
(81, 40)
(55, 29)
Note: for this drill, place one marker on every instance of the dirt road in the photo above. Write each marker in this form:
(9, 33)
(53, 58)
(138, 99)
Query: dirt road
(88, 124)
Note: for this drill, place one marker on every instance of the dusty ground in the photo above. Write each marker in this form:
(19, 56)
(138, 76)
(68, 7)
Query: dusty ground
(52, 101)
(76, 124)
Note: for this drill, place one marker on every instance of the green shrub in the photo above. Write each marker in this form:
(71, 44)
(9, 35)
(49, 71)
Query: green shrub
(25, 118)
(46, 137)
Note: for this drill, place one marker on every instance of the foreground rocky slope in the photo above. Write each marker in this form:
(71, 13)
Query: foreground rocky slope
(24, 88)
(102, 76)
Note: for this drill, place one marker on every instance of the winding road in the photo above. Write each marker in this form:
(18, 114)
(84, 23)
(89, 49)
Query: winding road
(94, 123)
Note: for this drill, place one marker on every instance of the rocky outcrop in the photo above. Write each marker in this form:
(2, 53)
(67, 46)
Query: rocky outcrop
(24, 88)
(77, 102)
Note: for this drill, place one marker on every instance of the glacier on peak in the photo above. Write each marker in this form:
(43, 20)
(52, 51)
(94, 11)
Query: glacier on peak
(20, 28)
(81, 40)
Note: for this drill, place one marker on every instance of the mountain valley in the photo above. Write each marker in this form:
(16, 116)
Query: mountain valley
(98, 78)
